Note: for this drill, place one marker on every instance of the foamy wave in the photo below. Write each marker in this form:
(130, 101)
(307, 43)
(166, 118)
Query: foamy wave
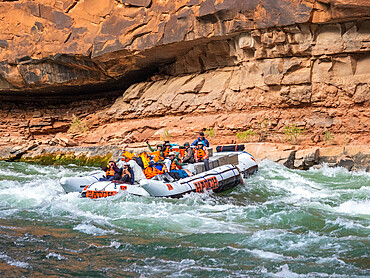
(346, 223)
(92, 230)
(268, 255)
(286, 272)
(355, 207)
(55, 255)
(13, 262)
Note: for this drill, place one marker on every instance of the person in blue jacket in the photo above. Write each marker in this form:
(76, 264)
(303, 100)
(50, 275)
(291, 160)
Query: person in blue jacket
(201, 138)
(127, 174)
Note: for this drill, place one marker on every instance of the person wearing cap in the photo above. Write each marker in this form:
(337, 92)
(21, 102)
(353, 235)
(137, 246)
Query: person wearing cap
(189, 154)
(161, 166)
(201, 154)
(202, 139)
(169, 159)
(128, 175)
(167, 148)
(174, 166)
(177, 165)
(158, 152)
(112, 172)
(151, 171)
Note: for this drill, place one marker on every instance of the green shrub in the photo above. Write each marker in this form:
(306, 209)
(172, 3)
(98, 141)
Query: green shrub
(210, 132)
(328, 137)
(245, 136)
(166, 135)
(76, 125)
(292, 133)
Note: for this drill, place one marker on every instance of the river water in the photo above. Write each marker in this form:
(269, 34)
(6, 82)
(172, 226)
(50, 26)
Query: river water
(280, 223)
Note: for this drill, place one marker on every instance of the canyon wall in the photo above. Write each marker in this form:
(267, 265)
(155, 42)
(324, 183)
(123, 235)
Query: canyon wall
(227, 65)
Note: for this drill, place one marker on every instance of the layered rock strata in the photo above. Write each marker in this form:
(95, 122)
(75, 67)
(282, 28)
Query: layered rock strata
(243, 64)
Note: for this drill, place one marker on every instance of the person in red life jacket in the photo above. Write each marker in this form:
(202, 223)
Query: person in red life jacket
(201, 154)
(112, 172)
(189, 154)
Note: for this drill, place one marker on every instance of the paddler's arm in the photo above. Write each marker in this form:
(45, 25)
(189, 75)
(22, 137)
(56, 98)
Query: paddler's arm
(150, 147)
(180, 163)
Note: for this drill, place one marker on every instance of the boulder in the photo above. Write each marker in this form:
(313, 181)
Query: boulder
(290, 161)
(330, 154)
(346, 162)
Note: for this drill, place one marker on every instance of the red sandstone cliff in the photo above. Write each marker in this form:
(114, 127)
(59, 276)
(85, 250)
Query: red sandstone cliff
(290, 62)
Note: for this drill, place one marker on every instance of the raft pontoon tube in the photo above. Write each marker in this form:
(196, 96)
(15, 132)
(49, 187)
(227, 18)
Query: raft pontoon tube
(218, 179)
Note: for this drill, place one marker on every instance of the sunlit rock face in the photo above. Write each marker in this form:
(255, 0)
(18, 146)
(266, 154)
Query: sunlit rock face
(126, 59)
(53, 44)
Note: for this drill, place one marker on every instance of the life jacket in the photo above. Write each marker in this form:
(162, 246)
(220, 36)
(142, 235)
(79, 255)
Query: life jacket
(128, 155)
(200, 153)
(157, 156)
(173, 165)
(145, 159)
(183, 152)
(167, 151)
(110, 172)
(151, 172)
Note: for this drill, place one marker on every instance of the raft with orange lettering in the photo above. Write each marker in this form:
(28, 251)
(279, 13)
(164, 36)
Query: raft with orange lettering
(219, 179)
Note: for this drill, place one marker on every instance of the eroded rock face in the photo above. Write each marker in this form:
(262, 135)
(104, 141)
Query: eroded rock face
(304, 62)
(50, 43)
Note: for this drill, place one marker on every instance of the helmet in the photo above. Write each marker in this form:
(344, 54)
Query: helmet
(151, 163)
(160, 145)
(160, 161)
(171, 153)
(200, 143)
(186, 144)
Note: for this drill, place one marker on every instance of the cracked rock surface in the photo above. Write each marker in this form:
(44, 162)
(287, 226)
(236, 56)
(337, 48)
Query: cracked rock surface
(119, 66)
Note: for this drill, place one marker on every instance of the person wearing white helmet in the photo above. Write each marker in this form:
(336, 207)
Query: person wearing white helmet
(169, 159)
(201, 154)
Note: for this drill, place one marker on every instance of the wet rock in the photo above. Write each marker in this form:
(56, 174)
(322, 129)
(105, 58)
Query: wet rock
(304, 159)
(346, 162)
(290, 161)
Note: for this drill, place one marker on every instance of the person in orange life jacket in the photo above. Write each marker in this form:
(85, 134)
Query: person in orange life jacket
(175, 166)
(128, 175)
(158, 151)
(189, 154)
(151, 171)
(201, 154)
(201, 138)
(167, 149)
(112, 172)
(168, 162)
(179, 164)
